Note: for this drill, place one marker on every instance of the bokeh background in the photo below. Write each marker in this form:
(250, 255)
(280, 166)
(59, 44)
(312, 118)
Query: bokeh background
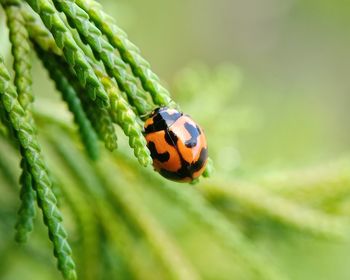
(269, 82)
(292, 57)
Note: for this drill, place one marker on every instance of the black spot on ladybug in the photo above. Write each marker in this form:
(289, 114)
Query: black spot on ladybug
(170, 138)
(162, 157)
(187, 169)
(200, 162)
(194, 132)
(180, 174)
(160, 125)
(175, 176)
(162, 120)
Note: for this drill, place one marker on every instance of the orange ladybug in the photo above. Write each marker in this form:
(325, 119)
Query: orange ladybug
(177, 144)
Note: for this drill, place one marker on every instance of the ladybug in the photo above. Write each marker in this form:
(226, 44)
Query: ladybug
(177, 144)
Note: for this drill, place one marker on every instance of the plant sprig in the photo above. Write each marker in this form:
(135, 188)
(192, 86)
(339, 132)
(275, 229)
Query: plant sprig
(20, 48)
(72, 53)
(128, 51)
(25, 134)
(88, 135)
(89, 58)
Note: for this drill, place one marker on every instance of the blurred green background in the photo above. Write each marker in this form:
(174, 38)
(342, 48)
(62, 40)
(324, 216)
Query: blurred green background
(269, 83)
(292, 55)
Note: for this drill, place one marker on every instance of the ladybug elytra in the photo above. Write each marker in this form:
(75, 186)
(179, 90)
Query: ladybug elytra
(177, 144)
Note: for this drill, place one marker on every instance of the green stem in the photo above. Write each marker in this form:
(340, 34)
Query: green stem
(72, 53)
(23, 81)
(104, 51)
(102, 123)
(126, 118)
(26, 212)
(21, 51)
(87, 133)
(42, 36)
(128, 51)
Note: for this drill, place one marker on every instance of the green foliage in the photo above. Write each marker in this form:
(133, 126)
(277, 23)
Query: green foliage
(102, 122)
(128, 51)
(25, 135)
(27, 211)
(22, 65)
(21, 52)
(72, 53)
(124, 220)
(69, 95)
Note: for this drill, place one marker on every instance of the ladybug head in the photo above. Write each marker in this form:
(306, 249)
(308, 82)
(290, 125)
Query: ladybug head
(161, 119)
(158, 110)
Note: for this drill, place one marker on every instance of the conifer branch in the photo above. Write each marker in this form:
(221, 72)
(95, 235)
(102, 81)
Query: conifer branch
(46, 199)
(128, 51)
(72, 53)
(23, 81)
(104, 51)
(87, 133)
